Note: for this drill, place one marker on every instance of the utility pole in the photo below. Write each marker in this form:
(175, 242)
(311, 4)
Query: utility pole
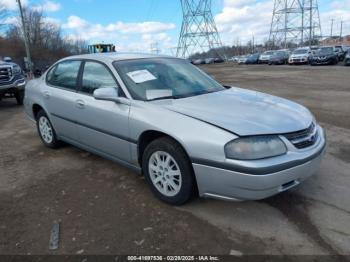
(341, 30)
(332, 21)
(26, 42)
(253, 44)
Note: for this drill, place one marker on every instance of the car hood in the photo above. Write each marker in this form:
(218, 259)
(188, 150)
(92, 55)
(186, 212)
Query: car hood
(324, 55)
(6, 64)
(243, 112)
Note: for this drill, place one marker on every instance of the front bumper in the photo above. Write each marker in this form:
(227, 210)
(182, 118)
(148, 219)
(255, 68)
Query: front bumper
(322, 61)
(298, 61)
(18, 84)
(264, 60)
(228, 184)
(276, 62)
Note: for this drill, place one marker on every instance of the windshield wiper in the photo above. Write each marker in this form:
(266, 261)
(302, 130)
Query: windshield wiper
(184, 95)
(163, 98)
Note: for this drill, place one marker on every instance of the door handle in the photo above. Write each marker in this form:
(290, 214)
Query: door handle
(80, 104)
(46, 94)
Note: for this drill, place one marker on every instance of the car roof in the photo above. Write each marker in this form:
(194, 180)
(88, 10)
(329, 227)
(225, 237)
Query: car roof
(116, 56)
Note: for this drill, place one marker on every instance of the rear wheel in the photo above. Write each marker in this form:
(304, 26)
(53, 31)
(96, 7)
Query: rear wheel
(46, 130)
(168, 171)
(19, 95)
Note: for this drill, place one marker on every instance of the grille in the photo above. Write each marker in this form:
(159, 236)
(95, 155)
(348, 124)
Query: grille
(5, 74)
(305, 138)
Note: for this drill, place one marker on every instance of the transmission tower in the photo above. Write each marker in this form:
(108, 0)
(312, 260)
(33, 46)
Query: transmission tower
(311, 22)
(198, 31)
(294, 21)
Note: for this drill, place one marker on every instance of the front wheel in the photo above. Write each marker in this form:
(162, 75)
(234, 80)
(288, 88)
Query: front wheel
(46, 130)
(168, 171)
(19, 95)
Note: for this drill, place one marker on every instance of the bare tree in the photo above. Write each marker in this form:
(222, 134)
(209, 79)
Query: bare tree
(45, 39)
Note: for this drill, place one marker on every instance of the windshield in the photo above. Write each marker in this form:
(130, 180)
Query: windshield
(156, 78)
(279, 54)
(269, 53)
(300, 51)
(325, 50)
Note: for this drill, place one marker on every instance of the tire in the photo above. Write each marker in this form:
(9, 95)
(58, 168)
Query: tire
(176, 189)
(19, 97)
(46, 131)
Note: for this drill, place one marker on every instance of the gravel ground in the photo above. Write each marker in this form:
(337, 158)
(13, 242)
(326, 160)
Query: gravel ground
(104, 208)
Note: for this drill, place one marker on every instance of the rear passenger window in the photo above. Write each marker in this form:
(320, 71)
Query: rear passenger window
(65, 74)
(96, 76)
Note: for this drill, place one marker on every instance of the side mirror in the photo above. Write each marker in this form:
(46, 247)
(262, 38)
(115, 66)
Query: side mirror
(106, 94)
(110, 94)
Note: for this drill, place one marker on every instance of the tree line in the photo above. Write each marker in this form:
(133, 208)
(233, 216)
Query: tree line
(46, 41)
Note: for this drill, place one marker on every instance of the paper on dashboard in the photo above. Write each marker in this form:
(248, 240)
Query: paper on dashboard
(141, 76)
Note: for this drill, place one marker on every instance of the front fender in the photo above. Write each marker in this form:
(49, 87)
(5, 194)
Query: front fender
(200, 140)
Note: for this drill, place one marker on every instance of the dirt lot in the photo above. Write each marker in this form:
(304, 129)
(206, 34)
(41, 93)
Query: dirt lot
(104, 208)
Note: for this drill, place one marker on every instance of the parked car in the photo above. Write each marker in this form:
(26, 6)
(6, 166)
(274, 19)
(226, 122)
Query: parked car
(347, 59)
(325, 56)
(242, 59)
(235, 59)
(218, 60)
(12, 80)
(300, 56)
(147, 111)
(198, 61)
(314, 49)
(253, 59)
(340, 52)
(209, 61)
(265, 57)
(279, 58)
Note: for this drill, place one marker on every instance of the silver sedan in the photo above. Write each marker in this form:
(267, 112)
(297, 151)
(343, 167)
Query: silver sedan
(186, 133)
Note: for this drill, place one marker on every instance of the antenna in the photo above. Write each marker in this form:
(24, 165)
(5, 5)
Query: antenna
(198, 31)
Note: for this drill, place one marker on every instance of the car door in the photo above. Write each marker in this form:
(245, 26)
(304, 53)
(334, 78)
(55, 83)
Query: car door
(102, 125)
(60, 96)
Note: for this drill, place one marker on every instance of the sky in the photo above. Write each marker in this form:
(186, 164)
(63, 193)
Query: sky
(136, 25)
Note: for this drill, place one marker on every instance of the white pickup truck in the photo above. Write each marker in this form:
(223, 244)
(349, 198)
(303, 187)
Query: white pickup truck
(12, 80)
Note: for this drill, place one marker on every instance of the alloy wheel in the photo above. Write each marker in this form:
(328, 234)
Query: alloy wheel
(45, 129)
(165, 173)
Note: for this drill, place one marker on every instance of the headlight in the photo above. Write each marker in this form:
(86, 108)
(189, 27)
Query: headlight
(16, 70)
(253, 148)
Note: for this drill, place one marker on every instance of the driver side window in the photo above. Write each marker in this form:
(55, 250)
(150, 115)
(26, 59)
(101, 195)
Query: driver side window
(96, 76)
